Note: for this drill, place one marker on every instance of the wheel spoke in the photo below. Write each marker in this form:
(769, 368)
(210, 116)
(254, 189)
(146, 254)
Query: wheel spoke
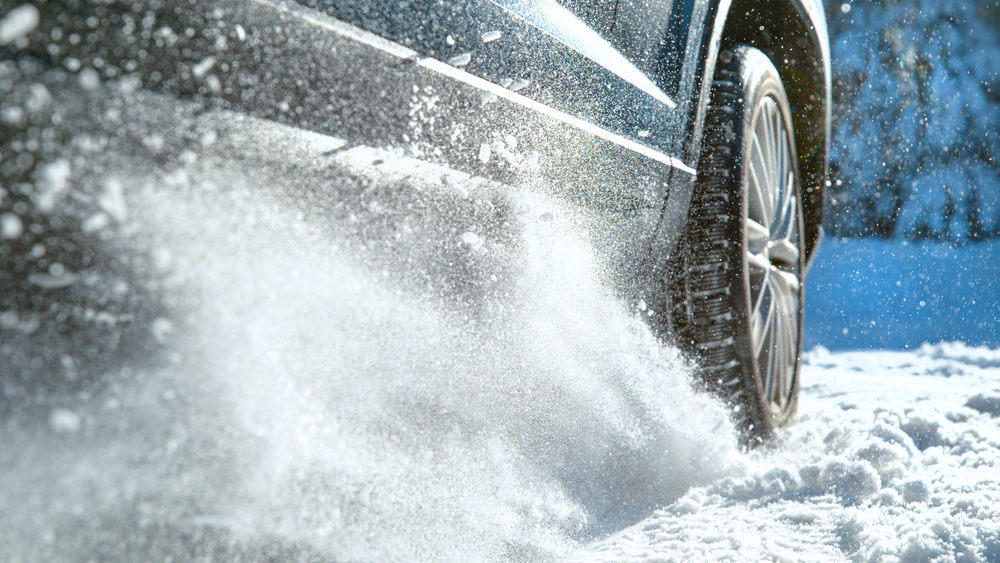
(756, 208)
(760, 164)
(788, 281)
(785, 227)
(773, 158)
(783, 253)
(764, 323)
(757, 237)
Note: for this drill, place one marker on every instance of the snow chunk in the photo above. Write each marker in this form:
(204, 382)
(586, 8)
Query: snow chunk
(112, 200)
(491, 36)
(88, 79)
(520, 84)
(64, 421)
(19, 22)
(916, 490)
(161, 328)
(10, 226)
(54, 181)
(201, 69)
(853, 482)
(472, 239)
(57, 277)
(987, 404)
(454, 187)
(460, 60)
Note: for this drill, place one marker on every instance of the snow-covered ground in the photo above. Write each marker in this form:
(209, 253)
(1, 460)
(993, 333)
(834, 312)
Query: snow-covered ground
(280, 347)
(895, 456)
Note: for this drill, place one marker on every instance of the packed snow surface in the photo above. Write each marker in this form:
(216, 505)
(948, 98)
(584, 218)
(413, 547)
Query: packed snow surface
(895, 456)
(312, 351)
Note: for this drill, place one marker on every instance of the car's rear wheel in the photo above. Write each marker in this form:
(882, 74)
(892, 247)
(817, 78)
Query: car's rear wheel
(738, 291)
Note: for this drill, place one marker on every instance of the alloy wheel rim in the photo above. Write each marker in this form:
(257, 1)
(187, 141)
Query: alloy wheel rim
(772, 254)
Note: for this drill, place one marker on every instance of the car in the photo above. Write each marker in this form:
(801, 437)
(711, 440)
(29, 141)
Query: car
(698, 128)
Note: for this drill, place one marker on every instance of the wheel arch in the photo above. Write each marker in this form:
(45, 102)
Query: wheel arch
(793, 34)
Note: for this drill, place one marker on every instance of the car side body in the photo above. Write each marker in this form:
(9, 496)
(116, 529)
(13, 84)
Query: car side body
(603, 103)
(581, 58)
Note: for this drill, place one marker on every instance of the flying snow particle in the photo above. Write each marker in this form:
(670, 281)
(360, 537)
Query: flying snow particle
(460, 60)
(520, 84)
(473, 240)
(10, 226)
(8, 320)
(19, 22)
(208, 138)
(53, 183)
(64, 421)
(112, 200)
(14, 116)
(214, 84)
(161, 328)
(89, 79)
(95, 222)
(154, 143)
(40, 97)
(57, 277)
(201, 69)
(845, 7)
(454, 188)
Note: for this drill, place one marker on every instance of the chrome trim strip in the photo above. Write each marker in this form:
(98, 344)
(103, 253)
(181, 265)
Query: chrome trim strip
(502, 92)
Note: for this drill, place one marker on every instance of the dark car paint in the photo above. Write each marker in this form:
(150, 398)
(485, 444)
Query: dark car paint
(373, 107)
(675, 42)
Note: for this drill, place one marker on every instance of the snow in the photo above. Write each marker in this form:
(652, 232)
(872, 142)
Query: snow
(460, 60)
(64, 421)
(204, 67)
(11, 226)
(339, 352)
(886, 462)
(18, 22)
(89, 79)
(520, 84)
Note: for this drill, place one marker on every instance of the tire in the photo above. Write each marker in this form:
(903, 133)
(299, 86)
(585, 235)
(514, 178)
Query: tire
(741, 263)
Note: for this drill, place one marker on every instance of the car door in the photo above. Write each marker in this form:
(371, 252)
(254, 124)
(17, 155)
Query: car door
(570, 55)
